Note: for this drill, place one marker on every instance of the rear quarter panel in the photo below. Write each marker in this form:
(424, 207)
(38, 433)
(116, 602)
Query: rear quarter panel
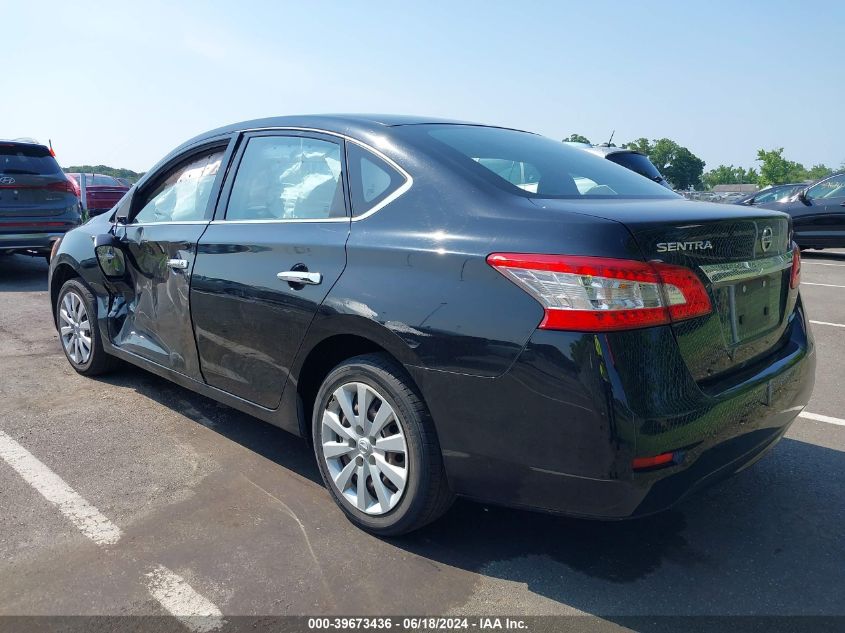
(418, 269)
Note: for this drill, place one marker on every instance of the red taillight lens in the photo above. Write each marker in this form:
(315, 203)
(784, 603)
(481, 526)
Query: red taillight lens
(62, 186)
(643, 463)
(795, 277)
(600, 294)
(74, 187)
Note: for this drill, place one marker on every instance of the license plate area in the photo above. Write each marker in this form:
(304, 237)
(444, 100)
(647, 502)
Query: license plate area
(753, 306)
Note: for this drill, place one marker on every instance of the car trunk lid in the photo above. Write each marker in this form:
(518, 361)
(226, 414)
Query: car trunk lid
(742, 256)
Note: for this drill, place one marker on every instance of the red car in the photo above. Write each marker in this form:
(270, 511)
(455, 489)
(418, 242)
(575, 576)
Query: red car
(99, 192)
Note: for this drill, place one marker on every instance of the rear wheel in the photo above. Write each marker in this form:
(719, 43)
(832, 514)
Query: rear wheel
(377, 449)
(78, 330)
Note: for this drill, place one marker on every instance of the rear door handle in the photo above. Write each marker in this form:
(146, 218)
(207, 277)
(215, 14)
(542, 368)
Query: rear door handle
(178, 264)
(300, 277)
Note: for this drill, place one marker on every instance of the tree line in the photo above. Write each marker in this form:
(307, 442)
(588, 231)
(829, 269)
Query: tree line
(685, 170)
(116, 172)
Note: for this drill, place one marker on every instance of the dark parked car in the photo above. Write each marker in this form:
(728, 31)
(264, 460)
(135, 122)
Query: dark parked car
(437, 329)
(773, 193)
(818, 213)
(38, 204)
(99, 191)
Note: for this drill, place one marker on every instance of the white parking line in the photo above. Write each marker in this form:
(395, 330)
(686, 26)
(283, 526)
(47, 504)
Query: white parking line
(807, 283)
(53, 488)
(822, 418)
(827, 323)
(182, 602)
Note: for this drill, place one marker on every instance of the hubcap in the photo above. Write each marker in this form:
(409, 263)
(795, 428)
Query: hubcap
(364, 448)
(75, 328)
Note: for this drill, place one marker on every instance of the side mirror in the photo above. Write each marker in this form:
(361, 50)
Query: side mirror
(802, 197)
(110, 256)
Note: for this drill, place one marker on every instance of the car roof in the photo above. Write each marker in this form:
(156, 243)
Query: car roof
(340, 123)
(362, 127)
(22, 141)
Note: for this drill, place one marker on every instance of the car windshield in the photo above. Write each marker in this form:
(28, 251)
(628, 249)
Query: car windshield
(830, 188)
(27, 160)
(536, 166)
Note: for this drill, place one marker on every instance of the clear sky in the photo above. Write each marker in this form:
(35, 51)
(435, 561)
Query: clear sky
(122, 83)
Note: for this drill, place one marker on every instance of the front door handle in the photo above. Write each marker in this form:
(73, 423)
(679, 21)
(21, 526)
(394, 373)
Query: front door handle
(300, 277)
(178, 264)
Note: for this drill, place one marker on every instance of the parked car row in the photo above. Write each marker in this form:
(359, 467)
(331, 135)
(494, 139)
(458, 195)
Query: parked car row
(99, 192)
(817, 211)
(773, 193)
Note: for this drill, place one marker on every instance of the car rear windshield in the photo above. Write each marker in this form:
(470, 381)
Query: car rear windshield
(101, 179)
(27, 160)
(636, 162)
(536, 166)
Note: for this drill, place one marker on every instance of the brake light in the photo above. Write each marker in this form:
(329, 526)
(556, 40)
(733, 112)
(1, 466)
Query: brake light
(591, 294)
(62, 186)
(74, 186)
(795, 277)
(643, 463)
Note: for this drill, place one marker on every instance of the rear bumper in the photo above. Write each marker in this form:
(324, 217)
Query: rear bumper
(558, 431)
(24, 241)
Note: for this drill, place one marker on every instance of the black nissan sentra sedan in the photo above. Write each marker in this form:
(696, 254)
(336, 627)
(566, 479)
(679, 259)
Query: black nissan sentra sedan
(446, 309)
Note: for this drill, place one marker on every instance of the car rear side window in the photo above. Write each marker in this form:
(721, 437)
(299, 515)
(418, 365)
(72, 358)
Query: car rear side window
(532, 165)
(372, 180)
(181, 194)
(27, 160)
(288, 178)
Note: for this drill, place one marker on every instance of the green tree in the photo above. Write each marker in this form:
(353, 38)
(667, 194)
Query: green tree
(729, 175)
(679, 165)
(776, 170)
(817, 172)
(576, 138)
(641, 145)
(721, 175)
(117, 172)
(751, 175)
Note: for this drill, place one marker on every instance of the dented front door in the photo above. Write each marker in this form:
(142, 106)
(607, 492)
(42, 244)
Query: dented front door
(154, 319)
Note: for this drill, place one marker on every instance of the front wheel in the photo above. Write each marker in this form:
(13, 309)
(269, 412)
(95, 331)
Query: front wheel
(376, 447)
(78, 330)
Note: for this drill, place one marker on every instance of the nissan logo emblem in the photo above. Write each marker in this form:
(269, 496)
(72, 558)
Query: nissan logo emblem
(766, 239)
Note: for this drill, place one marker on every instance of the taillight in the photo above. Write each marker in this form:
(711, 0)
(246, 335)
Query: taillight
(592, 294)
(795, 277)
(646, 463)
(74, 187)
(62, 186)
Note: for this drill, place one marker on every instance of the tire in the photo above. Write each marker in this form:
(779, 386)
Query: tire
(390, 510)
(77, 303)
